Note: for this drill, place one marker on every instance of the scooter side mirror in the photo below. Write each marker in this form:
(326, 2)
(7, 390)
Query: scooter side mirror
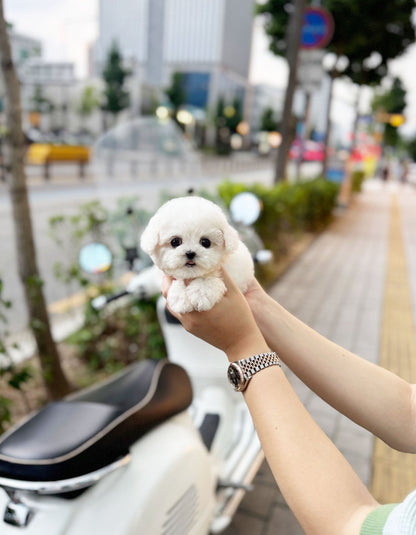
(95, 258)
(263, 256)
(245, 208)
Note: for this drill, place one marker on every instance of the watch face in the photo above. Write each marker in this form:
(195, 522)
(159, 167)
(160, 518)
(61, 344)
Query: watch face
(235, 377)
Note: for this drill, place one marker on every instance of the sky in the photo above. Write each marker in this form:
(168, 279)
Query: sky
(67, 27)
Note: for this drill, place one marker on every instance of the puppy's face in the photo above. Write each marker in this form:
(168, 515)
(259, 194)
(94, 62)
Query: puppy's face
(189, 237)
(186, 253)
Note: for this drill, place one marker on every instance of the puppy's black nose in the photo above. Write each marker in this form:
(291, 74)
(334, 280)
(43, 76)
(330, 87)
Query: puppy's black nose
(190, 255)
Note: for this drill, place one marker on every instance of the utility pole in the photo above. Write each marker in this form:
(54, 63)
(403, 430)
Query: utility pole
(293, 45)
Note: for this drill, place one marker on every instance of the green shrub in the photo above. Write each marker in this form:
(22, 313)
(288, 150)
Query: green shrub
(109, 340)
(12, 375)
(287, 207)
(357, 180)
(320, 198)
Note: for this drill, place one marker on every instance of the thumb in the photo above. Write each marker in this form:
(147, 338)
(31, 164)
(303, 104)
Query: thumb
(166, 284)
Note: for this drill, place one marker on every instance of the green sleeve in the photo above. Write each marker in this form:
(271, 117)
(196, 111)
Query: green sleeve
(374, 523)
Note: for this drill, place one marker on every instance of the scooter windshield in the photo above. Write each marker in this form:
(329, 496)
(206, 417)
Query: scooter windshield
(134, 167)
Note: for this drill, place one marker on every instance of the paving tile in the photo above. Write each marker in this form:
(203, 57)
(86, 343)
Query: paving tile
(327, 422)
(303, 392)
(317, 405)
(283, 522)
(352, 438)
(361, 465)
(265, 477)
(244, 524)
(258, 502)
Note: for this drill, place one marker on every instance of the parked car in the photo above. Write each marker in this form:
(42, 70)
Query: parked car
(313, 151)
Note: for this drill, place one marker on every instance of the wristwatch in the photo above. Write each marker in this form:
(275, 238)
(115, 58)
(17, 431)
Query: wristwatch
(241, 371)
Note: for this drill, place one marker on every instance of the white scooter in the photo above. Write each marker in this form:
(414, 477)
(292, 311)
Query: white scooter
(162, 448)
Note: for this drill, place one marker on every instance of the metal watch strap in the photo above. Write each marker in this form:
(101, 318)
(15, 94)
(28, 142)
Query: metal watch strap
(251, 365)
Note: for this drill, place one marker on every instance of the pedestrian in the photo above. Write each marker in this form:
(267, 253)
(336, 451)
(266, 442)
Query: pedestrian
(385, 171)
(404, 169)
(318, 484)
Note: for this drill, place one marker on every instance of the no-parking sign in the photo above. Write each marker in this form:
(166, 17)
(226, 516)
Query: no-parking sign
(317, 29)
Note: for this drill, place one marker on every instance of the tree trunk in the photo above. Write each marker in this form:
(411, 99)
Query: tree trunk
(328, 124)
(55, 381)
(294, 33)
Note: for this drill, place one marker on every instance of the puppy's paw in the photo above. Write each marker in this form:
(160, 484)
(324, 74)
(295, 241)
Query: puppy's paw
(203, 294)
(180, 306)
(177, 298)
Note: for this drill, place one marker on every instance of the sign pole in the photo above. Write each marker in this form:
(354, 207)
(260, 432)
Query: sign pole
(303, 134)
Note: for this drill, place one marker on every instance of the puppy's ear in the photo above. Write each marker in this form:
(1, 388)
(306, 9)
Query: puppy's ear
(150, 237)
(231, 239)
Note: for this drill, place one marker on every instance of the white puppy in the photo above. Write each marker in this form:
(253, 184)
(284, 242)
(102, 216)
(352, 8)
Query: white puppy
(189, 238)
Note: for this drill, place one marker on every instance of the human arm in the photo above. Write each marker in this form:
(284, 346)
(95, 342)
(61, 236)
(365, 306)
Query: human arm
(318, 484)
(370, 395)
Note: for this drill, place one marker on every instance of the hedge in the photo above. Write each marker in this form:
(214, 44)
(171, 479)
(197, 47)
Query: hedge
(299, 207)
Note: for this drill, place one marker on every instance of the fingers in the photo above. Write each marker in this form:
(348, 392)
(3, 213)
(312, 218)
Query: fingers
(228, 281)
(166, 284)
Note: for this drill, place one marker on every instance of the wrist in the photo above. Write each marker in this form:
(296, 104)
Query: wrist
(245, 347)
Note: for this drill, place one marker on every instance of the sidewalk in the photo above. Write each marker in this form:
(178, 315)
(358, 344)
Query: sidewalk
(355, 284)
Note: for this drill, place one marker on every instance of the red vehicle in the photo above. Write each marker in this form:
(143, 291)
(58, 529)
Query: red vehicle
(313, 151)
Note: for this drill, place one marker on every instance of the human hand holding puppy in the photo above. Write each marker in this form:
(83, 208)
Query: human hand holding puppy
(229, 325)
(190, 239)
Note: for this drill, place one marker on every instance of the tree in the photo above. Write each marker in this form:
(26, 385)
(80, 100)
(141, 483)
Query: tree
(285, 31)
(176, 92)
(116, 98)
(226, 120)
(268, 123)
(411, 148)
(233, 115)
(54, 378)
(89, 102)
(388, 32)
(39, 103)
(387, 105)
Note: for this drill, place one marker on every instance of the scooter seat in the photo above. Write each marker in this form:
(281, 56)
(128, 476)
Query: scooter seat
(93, 428)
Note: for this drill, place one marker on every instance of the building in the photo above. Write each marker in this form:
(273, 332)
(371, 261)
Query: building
(46, 88)
(39, 72)
(23, 48)
(208, 41)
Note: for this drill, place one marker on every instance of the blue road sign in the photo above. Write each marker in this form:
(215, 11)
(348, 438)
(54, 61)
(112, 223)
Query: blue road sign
(317, 29)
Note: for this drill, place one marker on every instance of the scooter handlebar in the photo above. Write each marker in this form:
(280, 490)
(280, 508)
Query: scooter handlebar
(101, 301)
(147, 283)
(144, 285)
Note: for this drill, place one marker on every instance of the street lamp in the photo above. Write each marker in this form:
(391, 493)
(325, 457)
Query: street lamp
(162, 113)
(185, 117)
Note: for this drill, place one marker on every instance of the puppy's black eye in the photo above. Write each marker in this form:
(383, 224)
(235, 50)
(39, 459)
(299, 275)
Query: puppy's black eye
(175, 242)
(205, 242)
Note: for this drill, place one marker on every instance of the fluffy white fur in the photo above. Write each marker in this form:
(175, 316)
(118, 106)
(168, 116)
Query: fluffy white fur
(189, 238)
